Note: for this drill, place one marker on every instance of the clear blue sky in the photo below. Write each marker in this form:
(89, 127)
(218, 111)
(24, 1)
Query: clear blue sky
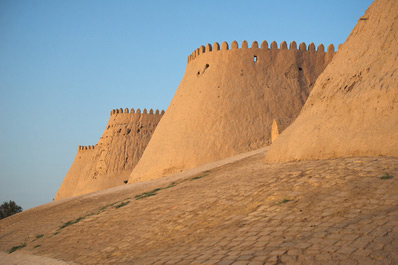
(65, 64)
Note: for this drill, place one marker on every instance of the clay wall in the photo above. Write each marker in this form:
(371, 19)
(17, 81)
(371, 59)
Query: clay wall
(352, 110)
(255, 48)
(109, 163)
(227, 100)
(138, 111)
(86, 147)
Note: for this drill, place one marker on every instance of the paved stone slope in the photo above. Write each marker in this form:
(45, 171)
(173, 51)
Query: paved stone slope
(339, 211)
(18, 258)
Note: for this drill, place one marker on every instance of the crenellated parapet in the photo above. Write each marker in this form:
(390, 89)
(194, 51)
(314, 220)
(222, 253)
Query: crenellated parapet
(255, 46)
(86, 147)
(138, 111)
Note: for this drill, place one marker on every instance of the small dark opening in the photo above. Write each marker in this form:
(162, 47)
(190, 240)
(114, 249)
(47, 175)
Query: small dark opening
(255, 58)
(125, 181)
(207, 66)
(198, 73)
(300, 69)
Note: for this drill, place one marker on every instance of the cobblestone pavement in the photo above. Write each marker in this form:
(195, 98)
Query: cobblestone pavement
(340, 211)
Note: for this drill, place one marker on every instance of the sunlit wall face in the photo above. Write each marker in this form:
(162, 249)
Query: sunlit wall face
(65, 64)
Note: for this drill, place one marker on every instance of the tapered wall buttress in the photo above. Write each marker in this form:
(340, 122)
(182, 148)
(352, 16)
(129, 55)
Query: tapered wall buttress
(352, 110)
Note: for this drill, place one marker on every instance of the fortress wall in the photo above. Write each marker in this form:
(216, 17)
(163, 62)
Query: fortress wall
(132, 111)
(82, 163)
(274, 46)
(111, 160)
(352, 110)
(226, 102)
(85, 148)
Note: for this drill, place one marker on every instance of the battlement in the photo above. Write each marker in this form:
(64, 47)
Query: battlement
(86, 147)
(138, 111)
(264, 46)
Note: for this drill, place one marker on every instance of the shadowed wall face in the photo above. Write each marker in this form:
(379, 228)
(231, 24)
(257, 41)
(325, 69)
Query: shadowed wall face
(352, 110)
(110, 162)
(226, 102)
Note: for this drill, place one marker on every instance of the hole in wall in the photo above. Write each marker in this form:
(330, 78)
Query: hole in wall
(255, 58)
(207, 66)
(300, 69)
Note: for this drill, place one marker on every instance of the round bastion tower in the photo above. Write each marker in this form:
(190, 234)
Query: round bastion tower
(110, 162)
(227, 101)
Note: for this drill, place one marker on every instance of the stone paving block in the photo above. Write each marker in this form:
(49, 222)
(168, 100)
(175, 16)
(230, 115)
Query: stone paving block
(226, 262)
(378, 233)
(288, 259)
(348, 262)
(246, 244)
(330, 248)
(303, 245)
(245, 257)
(346, 250)
(276, 243)
(375, 246)
(241, 262)
(255, 263)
